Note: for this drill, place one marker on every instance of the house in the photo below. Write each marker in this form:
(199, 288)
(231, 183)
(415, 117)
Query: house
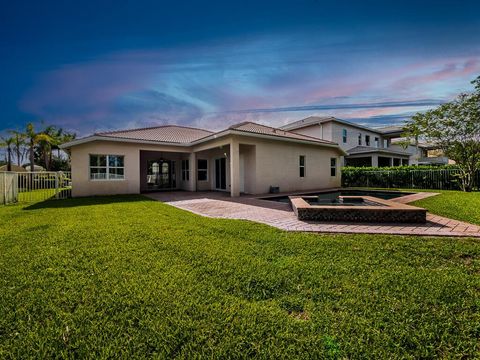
(365, 146)
(245, 158)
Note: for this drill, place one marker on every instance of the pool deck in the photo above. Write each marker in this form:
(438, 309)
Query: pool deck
(280, 215)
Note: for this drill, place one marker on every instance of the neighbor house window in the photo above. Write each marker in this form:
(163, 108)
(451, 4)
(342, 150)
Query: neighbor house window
(333, 166)
(107, 167)
(202, 170)
(367, 140)
(185, 170)
(359, 138)
(344, 135)
(301, 163)
(377, 142)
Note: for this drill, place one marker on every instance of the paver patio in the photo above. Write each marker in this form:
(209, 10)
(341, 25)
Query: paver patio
(280, 215)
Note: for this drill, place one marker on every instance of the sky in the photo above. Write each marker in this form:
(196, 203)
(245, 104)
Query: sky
(106, 65)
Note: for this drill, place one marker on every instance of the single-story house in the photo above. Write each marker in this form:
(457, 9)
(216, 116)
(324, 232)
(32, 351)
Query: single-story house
(245, 158)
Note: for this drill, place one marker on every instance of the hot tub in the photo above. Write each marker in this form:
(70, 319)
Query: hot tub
(365, 209)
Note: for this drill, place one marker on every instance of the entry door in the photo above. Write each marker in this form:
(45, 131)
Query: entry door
(220, 174)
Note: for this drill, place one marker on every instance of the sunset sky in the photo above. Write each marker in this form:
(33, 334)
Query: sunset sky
(91, 66)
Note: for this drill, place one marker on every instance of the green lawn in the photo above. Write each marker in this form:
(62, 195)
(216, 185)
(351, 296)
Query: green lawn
(454, 204)
(457, 205)
(127, 277)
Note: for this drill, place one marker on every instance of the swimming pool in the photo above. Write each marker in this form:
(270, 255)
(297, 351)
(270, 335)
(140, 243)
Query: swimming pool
(331, 195)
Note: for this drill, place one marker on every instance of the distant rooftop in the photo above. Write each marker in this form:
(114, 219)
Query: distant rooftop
(267, 130)
(314, 120)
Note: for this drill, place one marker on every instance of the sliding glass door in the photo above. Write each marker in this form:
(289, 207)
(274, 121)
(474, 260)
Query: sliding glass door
(220, 174)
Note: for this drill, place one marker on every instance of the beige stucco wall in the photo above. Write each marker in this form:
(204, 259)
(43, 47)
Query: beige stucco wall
(263, 163)
(80, 157)
(277, 164)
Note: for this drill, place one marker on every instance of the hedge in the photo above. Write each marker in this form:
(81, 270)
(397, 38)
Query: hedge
(409, 177)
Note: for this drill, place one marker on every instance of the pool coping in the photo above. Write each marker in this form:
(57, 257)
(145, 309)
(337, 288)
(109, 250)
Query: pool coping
(388, 212)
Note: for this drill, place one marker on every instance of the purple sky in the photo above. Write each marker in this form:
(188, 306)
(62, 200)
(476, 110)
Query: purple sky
(98, 67)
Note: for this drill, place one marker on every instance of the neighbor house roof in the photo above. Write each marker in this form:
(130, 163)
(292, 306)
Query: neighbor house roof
(166, 133)
(316, 120)
(368, 150)
(251, 127)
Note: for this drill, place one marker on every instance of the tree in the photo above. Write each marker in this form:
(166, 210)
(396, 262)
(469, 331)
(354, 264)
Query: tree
(33, 139)
(7, 142)
(455, 128)
(18, 145)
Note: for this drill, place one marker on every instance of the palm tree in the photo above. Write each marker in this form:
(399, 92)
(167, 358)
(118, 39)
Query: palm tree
(7, 142)
(35, 138)
(18, 145)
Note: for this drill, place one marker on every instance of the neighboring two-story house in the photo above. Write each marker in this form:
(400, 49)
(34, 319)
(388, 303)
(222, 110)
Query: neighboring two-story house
(365, 146)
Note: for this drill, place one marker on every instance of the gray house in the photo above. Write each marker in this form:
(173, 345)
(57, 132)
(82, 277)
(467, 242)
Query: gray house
(365, 146)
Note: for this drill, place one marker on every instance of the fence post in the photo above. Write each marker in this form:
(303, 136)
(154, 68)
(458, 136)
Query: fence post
(4, 188)
(56, 185)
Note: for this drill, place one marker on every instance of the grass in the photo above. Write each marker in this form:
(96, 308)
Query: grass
(41, 194)
(454, 204)
(126, 277)
(459, 205)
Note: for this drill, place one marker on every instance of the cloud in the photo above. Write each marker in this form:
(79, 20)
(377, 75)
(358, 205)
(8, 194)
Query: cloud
(391, 104)
(270, 79)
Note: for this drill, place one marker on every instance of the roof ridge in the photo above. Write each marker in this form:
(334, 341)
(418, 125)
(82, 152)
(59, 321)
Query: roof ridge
(286, 132)
(150, 128)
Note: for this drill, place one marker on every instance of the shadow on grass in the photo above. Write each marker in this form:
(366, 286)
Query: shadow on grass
(86, 201)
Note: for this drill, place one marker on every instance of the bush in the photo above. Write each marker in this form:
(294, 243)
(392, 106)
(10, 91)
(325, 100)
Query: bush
(413, 177)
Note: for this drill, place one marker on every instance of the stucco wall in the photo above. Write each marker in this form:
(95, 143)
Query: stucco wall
(265, 163)
(80, 157)
(277, 164)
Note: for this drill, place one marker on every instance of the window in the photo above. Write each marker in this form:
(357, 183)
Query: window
(344, 135)
(385, 143)
(185, 170)
(202, 170)
(301, 163)
(359, 138)
(107, 167)
(377, 142)
(333, 166)
(367, 140)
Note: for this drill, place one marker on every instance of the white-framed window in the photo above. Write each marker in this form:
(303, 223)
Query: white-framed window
(344, 136)
(333, 166)
(377, 142)
(107, 167)
(359, 138)
(301, 165)
(185, 170)
(367, 140)
(202, 170)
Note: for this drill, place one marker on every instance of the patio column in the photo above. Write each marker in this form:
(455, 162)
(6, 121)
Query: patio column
(375, 160)
(234, 168)
(192, 186)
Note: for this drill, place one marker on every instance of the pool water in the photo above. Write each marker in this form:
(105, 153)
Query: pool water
(340, 202)
(332, 196)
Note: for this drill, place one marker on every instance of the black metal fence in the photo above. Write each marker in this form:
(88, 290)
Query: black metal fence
(407, 178)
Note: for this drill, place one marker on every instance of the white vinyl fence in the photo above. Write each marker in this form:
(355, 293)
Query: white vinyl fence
(34, 186)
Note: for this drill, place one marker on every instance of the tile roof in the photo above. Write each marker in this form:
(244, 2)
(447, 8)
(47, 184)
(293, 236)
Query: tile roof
(311, 120)
(388, 129)
(167, 133)
(255, 128)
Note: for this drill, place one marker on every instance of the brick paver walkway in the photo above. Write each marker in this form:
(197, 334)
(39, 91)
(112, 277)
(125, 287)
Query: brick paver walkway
(280, 215)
